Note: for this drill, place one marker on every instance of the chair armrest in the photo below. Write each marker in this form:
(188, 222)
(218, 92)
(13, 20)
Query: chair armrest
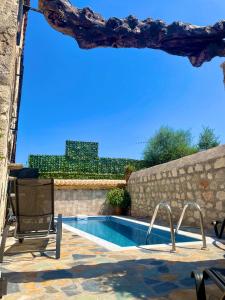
(217, 276)
(199, 285)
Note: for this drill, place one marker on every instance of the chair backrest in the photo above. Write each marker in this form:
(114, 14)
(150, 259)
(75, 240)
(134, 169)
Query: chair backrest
(34, 205)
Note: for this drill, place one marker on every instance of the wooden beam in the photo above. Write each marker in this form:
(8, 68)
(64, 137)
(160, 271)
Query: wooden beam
(15, 166)
(199, 43)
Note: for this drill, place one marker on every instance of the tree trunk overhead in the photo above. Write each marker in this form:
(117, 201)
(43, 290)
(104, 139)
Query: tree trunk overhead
(199, 43)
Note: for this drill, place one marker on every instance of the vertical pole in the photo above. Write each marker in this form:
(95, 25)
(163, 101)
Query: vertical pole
(58, 236)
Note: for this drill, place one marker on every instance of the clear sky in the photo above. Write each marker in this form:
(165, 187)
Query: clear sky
(117, 97)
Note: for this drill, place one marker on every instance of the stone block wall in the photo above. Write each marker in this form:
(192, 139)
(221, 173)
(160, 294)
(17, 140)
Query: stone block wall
(88, 197)
(81, 202)
(199, 177)
(11, 67)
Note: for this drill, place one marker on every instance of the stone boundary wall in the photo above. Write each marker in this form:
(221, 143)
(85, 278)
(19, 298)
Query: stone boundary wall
(11, 71)
(74, 197)
(199, 177)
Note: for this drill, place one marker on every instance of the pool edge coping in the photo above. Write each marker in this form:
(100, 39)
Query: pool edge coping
(113, 247)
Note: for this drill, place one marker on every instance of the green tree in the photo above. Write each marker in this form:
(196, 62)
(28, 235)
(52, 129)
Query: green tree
(168, 144)
(207, 139)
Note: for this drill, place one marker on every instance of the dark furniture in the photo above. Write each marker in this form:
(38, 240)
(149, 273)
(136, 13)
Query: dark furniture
(32, 213)
(3, 286)
(219, 228)
(217, 275)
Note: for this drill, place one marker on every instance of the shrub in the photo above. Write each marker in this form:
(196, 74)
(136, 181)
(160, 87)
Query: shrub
(127, 200)
(118, 197)
(128, 170)
(207, 139)
(168, 144)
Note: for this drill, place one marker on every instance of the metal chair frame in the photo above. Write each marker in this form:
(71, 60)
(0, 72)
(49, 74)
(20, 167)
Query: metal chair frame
(12, 219)
(200, 278)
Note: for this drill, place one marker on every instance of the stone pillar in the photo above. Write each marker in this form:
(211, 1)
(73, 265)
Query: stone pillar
(12, 21)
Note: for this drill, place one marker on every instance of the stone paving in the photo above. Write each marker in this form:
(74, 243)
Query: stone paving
(88, 271)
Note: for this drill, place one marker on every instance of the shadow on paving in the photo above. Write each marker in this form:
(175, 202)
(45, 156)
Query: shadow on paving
(29, 246)
(141, 278)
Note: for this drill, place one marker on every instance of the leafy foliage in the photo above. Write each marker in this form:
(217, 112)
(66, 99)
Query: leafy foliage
(118, 197)
(81, 150)
(128, 170)
(168, 144)
(126, 200)
(207, 139)
(81, 161)
(73, 175)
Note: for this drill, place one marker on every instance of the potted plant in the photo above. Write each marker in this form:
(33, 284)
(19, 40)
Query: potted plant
(119, 199)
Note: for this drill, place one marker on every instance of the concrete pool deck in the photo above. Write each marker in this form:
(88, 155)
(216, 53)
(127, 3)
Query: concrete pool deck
(89, 271)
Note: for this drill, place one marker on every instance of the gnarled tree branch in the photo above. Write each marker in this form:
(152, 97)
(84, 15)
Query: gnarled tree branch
(91, 30)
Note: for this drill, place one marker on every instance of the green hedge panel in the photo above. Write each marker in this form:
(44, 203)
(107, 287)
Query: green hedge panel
(81, 159)
(71, 175)
(81, 150)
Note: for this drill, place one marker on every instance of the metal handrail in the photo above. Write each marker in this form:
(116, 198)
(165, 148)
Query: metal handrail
(168, 208)
(193, 204)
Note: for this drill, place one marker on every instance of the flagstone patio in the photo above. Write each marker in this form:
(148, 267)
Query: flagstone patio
(88, 271)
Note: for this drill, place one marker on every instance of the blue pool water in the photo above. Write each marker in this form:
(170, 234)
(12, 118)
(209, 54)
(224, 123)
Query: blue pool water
(122, 232)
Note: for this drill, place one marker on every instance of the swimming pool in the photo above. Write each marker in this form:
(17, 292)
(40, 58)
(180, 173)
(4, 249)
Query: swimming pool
(122, 232)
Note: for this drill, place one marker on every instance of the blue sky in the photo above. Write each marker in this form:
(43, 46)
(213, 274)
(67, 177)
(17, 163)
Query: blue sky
(117, 97)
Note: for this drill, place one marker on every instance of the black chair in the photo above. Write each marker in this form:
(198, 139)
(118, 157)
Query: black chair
(217, 275)
(219, 228)
(3, 286)
(32, 213)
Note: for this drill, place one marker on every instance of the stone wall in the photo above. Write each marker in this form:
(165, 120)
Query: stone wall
(78, 202)
(73, 197)
(11, 66)
(199, 177)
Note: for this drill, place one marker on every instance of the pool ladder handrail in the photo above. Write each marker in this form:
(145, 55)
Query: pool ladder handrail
(168, 208)
(193, 204)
